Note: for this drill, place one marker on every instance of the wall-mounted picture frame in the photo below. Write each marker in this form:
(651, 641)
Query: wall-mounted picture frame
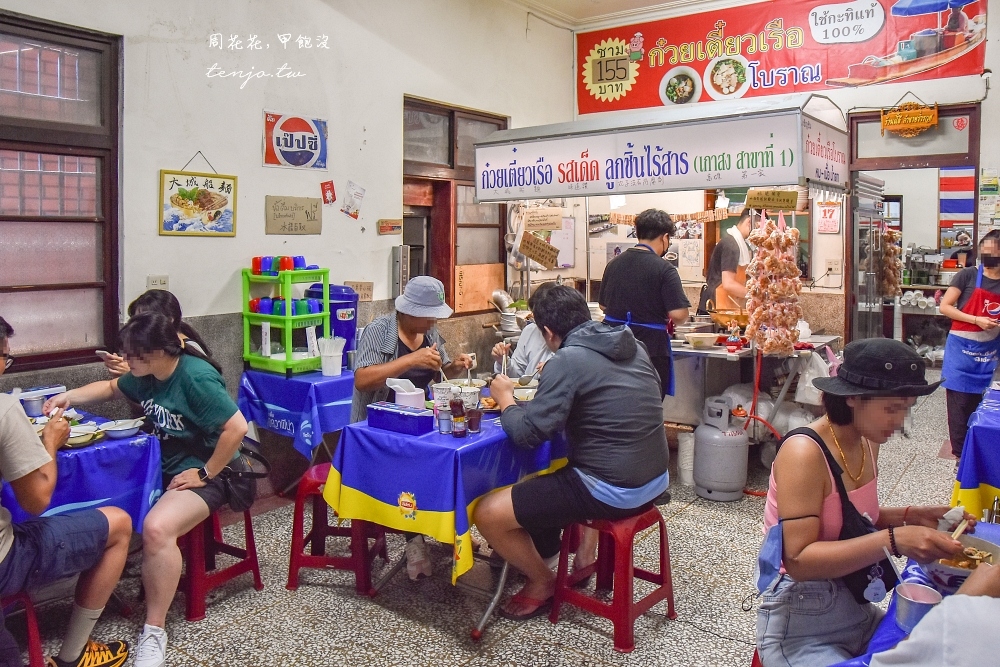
(197, 204)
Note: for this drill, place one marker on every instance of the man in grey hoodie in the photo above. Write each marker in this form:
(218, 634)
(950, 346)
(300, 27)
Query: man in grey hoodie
(602, 389)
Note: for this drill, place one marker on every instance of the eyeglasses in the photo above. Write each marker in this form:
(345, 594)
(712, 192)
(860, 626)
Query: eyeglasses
(9, 360)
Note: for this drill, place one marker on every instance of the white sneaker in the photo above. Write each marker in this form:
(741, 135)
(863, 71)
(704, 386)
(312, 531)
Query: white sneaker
(418, 563)
(151, 649)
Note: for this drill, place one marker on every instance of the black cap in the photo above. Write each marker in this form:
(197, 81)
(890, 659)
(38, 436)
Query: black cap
(878, 367)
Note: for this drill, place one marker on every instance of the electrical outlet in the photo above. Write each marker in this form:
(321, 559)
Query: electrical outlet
(157, 282)
(833, 267)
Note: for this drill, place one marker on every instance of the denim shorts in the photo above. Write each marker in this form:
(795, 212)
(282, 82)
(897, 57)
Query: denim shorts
(814, 623)
(52, 548)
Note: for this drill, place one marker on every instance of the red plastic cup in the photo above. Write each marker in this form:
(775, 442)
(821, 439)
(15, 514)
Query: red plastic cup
(254, 305)
(255, 266)
(287, 264)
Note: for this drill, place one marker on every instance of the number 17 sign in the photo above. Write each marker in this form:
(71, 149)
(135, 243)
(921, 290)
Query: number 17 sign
(828, 215)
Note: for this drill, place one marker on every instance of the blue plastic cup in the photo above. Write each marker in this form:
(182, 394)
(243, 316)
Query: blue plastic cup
(299, 262)
(266, 306)
(265, 264)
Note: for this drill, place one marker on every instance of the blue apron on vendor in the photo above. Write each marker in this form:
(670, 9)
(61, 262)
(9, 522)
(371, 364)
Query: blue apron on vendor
(970, 353)
(645, 332)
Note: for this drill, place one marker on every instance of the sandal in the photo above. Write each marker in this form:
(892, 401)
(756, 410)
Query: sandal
(542, 607)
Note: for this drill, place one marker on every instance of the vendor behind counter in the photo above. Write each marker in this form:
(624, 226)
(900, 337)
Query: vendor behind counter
(727, 276)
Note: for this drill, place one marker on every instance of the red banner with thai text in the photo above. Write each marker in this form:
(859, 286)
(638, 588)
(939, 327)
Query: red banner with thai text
(777, 47)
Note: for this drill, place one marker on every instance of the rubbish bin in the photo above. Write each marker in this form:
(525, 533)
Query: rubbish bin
(343, 313)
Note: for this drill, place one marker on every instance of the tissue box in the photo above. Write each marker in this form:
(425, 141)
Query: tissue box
(400, 418)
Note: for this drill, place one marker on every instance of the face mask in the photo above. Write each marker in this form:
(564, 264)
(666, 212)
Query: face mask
(991, 261)
(769, 558)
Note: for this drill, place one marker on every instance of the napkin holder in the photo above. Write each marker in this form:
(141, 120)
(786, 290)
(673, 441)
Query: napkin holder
(400, 418)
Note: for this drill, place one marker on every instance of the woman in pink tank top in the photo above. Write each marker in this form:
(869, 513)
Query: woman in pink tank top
(809, 615)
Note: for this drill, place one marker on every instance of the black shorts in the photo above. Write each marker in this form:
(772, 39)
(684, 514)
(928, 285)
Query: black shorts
(216, 494)
(557, 500)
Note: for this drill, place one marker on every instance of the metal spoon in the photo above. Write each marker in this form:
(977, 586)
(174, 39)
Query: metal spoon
(524, 380)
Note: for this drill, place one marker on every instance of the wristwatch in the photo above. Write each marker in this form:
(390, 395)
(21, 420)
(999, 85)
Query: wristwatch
(203, 474)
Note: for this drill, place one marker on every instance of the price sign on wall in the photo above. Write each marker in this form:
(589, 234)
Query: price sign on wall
(364, 289)
(784, 200)
(544, 219)
(828, 217)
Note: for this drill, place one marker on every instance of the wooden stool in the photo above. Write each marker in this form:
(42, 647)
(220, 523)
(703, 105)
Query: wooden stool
(200, 547)
(615, 571)
(35, 657)
(311, 487)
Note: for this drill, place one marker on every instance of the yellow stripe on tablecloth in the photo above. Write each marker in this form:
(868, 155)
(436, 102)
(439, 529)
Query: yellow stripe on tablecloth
(974, 500)
(350, 503)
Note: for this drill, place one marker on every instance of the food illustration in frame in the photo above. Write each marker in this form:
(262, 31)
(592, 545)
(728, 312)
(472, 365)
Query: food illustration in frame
(197, 204)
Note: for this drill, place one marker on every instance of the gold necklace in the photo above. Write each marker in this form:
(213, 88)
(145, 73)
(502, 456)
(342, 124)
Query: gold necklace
(861, 473)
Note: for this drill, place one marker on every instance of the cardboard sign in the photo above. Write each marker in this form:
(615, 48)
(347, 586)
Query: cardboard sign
(784, 200)
(387, 226)
(544, 219)
(538, 250)
(363, 289)
(293, 215)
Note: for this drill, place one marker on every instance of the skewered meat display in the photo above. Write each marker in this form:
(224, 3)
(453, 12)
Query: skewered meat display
(892, 263)
(773, 288)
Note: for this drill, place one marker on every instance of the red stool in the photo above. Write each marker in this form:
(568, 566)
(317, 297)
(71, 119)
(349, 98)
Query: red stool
(756, 660)
(311, 486)
(35, 657)
(615, 571)
(200, 547)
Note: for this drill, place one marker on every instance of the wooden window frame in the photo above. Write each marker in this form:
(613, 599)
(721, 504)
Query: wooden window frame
(445, 181)
(98, 141)
(970, 159)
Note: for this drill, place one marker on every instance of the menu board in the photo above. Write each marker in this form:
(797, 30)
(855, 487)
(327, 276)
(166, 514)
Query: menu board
(538, 250)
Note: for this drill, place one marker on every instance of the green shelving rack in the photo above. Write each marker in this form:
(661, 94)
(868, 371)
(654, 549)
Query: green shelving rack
(286, 323)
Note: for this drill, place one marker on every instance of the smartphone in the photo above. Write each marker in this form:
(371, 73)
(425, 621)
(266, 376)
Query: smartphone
(103, 354)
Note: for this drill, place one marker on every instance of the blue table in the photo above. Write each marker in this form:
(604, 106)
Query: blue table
(429, 484)
(120, 473)
(888, 634)
(978, 479)
(302, 407)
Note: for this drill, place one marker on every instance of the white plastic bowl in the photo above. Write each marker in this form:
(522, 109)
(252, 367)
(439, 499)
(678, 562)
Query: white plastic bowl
(701, 341)
(946, 578)
(121, 428)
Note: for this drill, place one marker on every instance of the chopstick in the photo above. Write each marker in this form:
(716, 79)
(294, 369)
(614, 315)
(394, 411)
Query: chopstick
(961, 529)
(503, 370)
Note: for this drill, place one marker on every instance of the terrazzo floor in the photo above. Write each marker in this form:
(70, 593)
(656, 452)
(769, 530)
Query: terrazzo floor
(713, 549)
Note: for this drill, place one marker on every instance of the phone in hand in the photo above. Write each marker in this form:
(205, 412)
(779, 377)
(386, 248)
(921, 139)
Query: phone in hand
(103, 354)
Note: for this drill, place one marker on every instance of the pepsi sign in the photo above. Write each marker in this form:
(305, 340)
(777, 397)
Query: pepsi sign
(294, 141)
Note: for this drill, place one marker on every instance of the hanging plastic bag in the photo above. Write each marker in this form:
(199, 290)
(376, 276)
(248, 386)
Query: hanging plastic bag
(814, 368)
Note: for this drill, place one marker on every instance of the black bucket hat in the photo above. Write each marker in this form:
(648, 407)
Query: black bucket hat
(878, 367)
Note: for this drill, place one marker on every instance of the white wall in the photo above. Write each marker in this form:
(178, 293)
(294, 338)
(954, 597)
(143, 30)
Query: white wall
(919, 189)
(480, 54)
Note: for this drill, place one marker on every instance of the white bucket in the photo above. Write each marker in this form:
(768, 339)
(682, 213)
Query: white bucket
(685, 458)
(331, 364)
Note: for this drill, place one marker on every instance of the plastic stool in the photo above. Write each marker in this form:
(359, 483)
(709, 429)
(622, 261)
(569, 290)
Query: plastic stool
(311, 487)
(615, 571)
(200, 547)
(756, 660)
(35, 657)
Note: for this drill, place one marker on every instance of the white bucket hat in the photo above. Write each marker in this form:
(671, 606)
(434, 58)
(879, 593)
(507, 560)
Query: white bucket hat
(423, 297)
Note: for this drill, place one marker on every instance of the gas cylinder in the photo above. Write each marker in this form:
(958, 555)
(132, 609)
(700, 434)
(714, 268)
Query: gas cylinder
(720, 453)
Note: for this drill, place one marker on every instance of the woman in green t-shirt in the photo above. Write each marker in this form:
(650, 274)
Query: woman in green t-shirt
(200, 431)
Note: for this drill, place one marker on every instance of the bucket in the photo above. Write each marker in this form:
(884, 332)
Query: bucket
(913, 601)
(685, 458)
(343, 313)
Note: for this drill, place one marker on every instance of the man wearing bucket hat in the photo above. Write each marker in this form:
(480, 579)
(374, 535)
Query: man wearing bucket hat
(405, 345)
(825, 531)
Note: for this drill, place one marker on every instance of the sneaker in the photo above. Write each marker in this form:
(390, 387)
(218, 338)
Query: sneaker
(418, 563)
(151, 649)
(662, 499)
(95, 654)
